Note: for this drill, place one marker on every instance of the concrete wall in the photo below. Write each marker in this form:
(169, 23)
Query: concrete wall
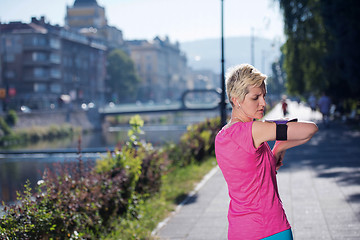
(88, 120)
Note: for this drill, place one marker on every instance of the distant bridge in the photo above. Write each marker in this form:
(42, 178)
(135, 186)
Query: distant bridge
(190, 101)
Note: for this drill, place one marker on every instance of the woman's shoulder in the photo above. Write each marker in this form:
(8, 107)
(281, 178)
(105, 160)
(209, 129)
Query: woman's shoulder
(237, 126)
(235, 130)
(239, 133)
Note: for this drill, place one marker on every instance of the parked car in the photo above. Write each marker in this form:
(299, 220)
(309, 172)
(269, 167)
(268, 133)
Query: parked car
(25, 109)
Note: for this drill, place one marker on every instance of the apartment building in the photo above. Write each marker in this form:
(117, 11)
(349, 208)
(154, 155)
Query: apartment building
(162, 67)
(89, 19)
(159, 63)
(41, 63)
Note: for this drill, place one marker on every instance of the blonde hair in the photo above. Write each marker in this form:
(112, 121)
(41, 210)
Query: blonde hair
(240, 78)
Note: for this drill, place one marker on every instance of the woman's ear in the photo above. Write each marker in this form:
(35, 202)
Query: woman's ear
(235, 101)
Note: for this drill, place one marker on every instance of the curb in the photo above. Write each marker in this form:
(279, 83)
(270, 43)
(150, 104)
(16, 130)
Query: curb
(189, 196)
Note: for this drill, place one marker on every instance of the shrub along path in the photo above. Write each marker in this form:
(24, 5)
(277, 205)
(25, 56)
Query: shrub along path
(319, 185)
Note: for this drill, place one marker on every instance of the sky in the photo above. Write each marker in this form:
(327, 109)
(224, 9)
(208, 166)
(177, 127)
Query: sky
(180, 20)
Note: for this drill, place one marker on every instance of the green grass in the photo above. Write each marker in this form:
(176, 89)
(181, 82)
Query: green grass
(176, 185)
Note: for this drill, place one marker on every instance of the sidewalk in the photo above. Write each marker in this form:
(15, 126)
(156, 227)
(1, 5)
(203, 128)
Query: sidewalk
(319, 185)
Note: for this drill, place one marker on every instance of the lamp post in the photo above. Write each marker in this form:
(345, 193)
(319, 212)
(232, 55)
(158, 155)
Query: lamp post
(252, 47)
(222, 102)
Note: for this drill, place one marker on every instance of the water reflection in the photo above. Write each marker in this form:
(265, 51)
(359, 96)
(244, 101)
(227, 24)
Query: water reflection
(15, 169)
(13, 174)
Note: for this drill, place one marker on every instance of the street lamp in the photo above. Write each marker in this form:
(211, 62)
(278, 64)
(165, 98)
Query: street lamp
(252, 47)
(222, 103)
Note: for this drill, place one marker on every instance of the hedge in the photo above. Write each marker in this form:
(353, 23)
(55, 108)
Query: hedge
(79, 201)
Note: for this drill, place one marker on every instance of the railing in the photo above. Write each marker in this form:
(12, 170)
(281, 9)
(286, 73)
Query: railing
(191, 100)
(56, 151)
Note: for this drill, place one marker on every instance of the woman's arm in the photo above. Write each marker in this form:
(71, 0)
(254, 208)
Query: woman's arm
(297, 133)
(281, 146)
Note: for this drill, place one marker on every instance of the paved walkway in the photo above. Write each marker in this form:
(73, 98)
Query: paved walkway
(319, 185)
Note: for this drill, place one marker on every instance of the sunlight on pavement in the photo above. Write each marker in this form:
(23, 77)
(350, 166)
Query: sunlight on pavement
(300, 111)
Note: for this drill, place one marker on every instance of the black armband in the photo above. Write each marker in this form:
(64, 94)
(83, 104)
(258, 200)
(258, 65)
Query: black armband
(281, 132)
(281, 128)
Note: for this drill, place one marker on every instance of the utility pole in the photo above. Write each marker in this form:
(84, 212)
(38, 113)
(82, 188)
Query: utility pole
(222, 103)
(4, 90)
(252, 39)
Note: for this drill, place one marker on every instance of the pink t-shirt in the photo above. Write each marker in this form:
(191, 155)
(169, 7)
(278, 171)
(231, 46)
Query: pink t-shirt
(255, 209)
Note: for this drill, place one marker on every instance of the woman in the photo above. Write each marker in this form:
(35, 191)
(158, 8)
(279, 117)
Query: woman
(247, 162)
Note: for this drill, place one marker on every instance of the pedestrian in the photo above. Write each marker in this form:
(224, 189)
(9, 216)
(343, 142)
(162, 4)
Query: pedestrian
(312, 102)
(324, 106)
(248, 164)
(284, 106)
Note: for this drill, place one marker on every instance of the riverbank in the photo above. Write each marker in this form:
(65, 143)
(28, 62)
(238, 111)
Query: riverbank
(87, 120)
(20, 129)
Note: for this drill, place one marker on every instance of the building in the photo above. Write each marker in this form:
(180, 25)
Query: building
(161, 66)
(88, 18)
(204, 79)
(42, 63)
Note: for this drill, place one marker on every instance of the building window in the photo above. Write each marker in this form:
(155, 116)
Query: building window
(78, 62)
(54, 58)
(39, 72)
(55, 43)
(85, 65)
(55, 88)
(55, 73)
(38, 56)
(149, 67)
(9, 57)
(39, 87)
(66, 61)
(66, 76)
(39, 41)
(10, 74)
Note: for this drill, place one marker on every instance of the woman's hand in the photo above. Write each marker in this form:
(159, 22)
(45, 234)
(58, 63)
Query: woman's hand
(279, 154)
(279, 159)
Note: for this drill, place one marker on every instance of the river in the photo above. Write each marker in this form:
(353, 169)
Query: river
(29, 162)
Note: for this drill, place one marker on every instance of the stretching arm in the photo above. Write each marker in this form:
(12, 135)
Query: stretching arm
(297, 133)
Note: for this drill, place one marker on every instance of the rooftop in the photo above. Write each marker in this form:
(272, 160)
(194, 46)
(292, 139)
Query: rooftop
(85, 3)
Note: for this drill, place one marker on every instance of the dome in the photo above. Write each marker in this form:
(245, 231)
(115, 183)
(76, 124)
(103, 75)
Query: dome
(85, 2)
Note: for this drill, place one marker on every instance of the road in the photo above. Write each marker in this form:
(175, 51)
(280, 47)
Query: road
(319, 185)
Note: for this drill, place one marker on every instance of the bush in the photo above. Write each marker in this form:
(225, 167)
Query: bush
(72, 201)
(75, 200)
(79, 201)
(85, 202)
(144, 163)
(5, 127)
(196, 143)
(11, 118)
(152, 168)
(27, 220)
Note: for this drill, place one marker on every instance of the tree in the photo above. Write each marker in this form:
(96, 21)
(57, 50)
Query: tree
(321, 50)
(276, 82)
(305, 46)
(122, 78)
(341, 21)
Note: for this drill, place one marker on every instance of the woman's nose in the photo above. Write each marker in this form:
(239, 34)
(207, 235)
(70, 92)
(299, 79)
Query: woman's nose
(263, 102)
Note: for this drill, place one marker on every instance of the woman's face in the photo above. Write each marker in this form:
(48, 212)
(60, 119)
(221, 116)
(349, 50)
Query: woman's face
(254, 102)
